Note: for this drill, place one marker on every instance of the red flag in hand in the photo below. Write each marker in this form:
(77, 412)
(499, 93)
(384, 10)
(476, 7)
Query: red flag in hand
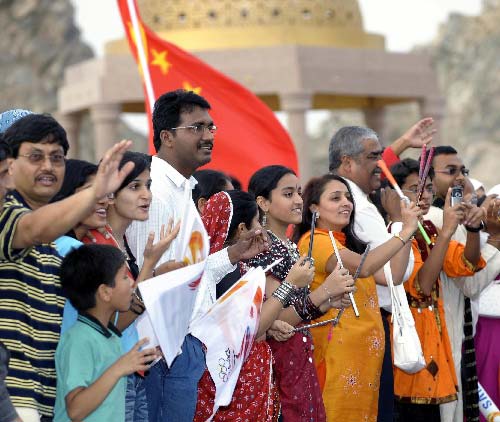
(249, 136)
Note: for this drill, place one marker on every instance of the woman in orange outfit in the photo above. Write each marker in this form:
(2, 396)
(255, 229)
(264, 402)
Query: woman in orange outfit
(418, 395)
(348, 359)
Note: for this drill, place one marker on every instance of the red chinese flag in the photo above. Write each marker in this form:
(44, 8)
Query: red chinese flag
(249, 136)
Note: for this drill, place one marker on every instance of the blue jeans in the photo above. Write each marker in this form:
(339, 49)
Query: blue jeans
(136, 406)
(172, 392)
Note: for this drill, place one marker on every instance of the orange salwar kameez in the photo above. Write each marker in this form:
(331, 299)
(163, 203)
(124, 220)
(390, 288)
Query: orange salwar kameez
(348, 365)
(437, 383)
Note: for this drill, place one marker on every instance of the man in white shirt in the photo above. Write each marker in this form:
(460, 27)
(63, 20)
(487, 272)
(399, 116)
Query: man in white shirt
(183, 138)
(353, 154)
(457, 292)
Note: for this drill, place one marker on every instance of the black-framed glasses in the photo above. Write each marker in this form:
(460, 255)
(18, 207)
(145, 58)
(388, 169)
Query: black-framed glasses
(38, 157)
(198, 128)
(452, 171)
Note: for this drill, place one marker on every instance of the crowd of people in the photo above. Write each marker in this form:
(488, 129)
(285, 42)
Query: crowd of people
(77, 238)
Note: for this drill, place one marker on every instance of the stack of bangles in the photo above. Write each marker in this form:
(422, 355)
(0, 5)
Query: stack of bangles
(299, 299)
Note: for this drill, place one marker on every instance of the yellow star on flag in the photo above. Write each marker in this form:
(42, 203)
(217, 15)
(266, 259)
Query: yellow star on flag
(160, 60)
(188, 87)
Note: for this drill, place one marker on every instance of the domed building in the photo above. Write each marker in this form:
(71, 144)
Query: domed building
(296, 55)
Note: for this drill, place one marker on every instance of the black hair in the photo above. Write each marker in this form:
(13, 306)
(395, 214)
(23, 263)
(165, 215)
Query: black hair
(265, 180)
(441, 150)
(35, 128)
(84, 269)
(402, 169)
(311, 195)
(76, 174)
(235, 182)
(168, 108)
(209, 183)
(244, 211)
(5, 151)
(141, 162)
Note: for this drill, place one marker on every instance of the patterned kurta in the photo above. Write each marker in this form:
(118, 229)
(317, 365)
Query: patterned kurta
(255, 397)
(437, 383)
(349, 364)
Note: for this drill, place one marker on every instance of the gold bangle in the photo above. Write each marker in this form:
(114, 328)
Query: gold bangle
(397, 236)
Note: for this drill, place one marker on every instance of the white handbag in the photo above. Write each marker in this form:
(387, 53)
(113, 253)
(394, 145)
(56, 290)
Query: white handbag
(406, 347)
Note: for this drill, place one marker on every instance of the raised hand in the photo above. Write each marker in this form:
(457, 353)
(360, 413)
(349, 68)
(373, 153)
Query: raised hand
(410, 214)
(452, 216)
(136, 360)
(391, 203)
(153, 252)
(302, 272)
(280, 330)
(109, 177)
(474, 215)
(250, 244)
(420, 133)
(493, 217)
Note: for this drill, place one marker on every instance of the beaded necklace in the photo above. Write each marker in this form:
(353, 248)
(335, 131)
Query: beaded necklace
(289, 245)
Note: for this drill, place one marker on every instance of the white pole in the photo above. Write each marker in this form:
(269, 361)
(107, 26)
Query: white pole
(141, 54)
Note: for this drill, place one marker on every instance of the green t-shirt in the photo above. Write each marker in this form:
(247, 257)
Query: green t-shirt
(84, 352)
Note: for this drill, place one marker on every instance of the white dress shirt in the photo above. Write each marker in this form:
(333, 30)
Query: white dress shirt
(453, 291)
(169, 201)
(370, 227)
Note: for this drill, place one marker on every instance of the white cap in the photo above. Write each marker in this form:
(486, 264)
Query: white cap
(494, 189)
(476, 183)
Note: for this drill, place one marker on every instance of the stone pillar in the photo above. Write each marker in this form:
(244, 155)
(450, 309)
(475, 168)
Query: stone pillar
(375, 119)
(296, 105)
(105, 119)
(434, 107)
(71, 123)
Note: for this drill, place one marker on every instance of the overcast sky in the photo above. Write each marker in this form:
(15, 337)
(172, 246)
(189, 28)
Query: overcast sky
(404, 23)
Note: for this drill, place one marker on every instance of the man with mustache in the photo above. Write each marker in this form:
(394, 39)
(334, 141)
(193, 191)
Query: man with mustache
(458, 292)
(7, 411)
(184, 135)
(353, 154)
(31, 300)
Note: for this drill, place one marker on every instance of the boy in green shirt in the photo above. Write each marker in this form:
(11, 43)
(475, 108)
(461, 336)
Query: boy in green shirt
(90, 367)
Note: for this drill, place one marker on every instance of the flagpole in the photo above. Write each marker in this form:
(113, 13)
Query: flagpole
(141, 54)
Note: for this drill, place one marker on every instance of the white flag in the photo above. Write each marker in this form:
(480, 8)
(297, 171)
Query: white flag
(169, 300)
(170, 297)
(228, 330)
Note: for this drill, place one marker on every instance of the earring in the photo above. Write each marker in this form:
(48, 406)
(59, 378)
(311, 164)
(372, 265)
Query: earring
(264, 219)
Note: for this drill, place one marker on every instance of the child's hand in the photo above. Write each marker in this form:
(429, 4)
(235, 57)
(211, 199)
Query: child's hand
(302, 273)
(136, 360)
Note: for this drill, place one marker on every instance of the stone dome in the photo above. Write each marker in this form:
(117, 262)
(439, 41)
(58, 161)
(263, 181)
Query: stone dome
(221, 24)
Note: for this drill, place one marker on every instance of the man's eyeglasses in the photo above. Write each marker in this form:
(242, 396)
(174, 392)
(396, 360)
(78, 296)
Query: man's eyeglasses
(428, 189)
(198, 128)
(36, 157)
(452, 171)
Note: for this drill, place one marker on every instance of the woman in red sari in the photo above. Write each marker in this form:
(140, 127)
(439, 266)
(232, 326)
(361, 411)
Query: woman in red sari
(278, 193)
(255, 398)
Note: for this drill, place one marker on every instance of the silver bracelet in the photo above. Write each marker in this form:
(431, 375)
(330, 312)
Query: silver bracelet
(284, 293)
